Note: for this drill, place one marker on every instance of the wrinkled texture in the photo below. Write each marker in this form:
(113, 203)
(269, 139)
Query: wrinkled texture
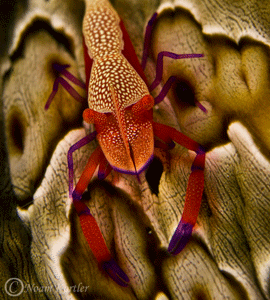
(228, 256)
(29, 138)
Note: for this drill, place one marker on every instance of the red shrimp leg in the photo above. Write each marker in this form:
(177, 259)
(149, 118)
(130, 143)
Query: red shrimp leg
(59, 80)
(88, 223)
(88, 62)
(87, 139)
(104, 168)
(130, 53)
(161, 145)
(195, 186)
(90, 227)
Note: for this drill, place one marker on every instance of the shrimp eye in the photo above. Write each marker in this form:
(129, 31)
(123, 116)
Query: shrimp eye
(91, 116)
(144, 104)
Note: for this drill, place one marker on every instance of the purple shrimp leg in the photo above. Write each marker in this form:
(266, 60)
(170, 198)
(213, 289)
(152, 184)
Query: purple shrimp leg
(147, 40)
(165, 89)
(171, 80)
(87, 139)
(160, 97)
(59, 80)
(159, 69)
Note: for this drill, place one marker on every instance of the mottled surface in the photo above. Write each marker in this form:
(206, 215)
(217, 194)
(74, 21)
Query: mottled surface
(228, 256)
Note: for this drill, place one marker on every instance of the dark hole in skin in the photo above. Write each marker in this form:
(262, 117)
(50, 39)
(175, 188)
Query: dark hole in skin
(52, 70)
(153, 175)
(17, 133)
(26, 203)
(201, 295)
(183, 93)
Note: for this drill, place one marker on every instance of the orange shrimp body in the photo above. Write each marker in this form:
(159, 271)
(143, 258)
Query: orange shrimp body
(125, 134)
(127, 142)
(120, 107)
